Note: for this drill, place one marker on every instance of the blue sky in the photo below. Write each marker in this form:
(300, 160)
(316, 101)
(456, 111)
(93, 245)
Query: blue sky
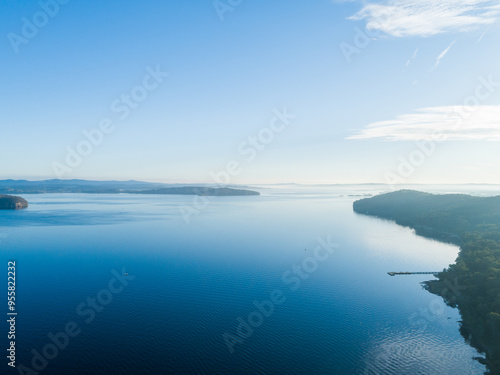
(392, 91)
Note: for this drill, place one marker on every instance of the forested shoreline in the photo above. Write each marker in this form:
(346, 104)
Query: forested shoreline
(472, 283)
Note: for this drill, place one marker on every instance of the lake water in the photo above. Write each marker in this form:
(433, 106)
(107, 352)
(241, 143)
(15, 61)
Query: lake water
(189, 284)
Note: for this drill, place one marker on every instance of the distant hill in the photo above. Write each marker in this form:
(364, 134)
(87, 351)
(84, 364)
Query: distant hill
(114, 187)
(447, 216)
(72, 186)
(11, 202)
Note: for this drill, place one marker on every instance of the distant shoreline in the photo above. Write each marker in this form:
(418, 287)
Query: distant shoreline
(11, 187)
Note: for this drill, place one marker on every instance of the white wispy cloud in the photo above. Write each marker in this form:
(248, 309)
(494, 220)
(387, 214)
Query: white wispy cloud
(443, 54)
(412, 57)
(443, 123)
(415, 53)
(483, 34)
(404, 18)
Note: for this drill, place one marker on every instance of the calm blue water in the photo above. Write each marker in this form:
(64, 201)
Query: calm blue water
(193, 281)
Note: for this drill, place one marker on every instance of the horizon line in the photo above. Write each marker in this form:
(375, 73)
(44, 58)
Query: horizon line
(254, 184)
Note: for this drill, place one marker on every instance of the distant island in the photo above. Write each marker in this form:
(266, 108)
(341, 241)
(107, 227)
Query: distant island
(115, 187)
(11, 202)
(472, 284)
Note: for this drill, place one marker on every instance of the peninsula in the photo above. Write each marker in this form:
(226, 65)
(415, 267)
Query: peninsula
(115, 187)
(472, 284)
(11, 202)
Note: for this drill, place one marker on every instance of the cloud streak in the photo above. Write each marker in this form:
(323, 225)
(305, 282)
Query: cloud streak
(443, 54)
(412, 57)
(424, 18)
(438, 123)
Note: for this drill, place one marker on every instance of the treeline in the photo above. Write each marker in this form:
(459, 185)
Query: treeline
(472, 284)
